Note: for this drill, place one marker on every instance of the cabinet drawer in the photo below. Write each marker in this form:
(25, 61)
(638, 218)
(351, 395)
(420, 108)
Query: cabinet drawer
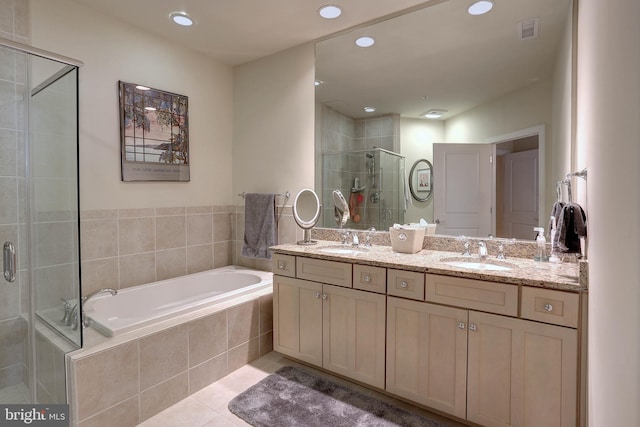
(370, 278)
(405, 284)
(284, 265)
(550, 306)
(318, 270)
(499, 298)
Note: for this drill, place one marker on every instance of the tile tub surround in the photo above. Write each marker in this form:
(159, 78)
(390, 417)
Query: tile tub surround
(129, 247)
(138, 374)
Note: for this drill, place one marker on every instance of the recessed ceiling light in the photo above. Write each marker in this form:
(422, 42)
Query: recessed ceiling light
(480, 7)
(181, 18)
(330, 11)
(369, 109)
(433, 114)
(365, 41)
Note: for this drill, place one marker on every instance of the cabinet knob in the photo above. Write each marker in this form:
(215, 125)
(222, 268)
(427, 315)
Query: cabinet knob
(281, 265)
(461, 325)
(473, 327)
(317, 294)
(548, 307)
(404, 284)
(367, 278)
(324, 296)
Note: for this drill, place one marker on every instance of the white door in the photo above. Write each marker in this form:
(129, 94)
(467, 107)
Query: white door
(463, 189)
(520, 197)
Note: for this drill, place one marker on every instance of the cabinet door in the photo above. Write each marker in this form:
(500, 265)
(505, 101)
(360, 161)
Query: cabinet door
(297, 319)
(521, 373)
(354, 334)
(427, 354)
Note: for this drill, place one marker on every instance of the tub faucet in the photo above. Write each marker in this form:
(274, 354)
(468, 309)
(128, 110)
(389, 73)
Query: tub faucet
(85, 320)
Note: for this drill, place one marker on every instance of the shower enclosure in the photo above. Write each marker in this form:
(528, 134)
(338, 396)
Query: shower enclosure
(39, 228)
(372, 181)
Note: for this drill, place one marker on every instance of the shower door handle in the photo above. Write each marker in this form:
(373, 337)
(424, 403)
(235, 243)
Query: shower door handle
(9, 261)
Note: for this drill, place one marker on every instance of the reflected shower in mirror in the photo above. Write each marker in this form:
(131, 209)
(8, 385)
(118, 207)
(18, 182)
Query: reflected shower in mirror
(492, 78)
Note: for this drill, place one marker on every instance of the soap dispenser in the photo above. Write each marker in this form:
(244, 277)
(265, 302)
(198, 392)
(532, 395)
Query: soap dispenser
(541, 245)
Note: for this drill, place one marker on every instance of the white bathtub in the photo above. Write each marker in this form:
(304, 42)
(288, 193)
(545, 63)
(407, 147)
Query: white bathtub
(139, 306)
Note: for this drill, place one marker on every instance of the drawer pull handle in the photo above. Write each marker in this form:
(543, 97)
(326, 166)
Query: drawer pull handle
(367, 278)
(461, 325)
(318, 295)
(548, 307)
(404, 284)
(324, 296)
(281, 265)
(473, 327)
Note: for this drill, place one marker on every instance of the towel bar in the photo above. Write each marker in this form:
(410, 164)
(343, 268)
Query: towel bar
(286, 194)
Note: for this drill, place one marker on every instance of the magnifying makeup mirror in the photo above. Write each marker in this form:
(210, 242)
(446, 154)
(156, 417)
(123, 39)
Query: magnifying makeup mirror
(306, 212)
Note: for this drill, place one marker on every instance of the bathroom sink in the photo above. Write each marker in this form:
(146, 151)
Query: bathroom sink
(342, 250)
(476, 264)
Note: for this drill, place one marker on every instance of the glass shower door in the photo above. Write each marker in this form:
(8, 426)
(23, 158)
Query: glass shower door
(39, 217)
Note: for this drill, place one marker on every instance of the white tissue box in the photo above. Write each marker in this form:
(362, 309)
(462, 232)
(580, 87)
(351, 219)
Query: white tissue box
(407, 240)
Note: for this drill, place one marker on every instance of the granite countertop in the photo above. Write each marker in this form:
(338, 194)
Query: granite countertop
(527, 272)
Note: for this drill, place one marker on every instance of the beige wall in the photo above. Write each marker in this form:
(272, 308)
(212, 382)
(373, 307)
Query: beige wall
(608, 128)
(112, 51)
(273, 123)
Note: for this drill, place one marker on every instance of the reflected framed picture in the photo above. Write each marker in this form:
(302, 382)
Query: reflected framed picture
(154, 134)
(424, 180)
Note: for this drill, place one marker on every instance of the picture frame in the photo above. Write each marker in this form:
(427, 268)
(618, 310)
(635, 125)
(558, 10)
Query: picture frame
(424, 180)
(154, 134)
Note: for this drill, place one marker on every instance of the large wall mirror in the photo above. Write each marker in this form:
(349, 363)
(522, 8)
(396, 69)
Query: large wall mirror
(503, 79)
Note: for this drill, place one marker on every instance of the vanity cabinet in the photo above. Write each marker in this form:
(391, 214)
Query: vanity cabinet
(493, 353)
(336, 327)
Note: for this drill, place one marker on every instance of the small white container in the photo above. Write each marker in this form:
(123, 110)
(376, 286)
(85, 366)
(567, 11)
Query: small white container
(407, 240)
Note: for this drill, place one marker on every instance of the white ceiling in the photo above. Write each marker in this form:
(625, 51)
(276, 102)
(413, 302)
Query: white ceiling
(458, 61)
(239, 31)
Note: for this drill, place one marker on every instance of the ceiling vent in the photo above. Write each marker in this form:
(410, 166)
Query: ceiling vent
(528, 29)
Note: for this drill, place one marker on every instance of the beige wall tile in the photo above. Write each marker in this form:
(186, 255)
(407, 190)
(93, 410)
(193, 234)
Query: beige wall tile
(88, 215)
(170, 211)
(99, 239)
(137, 269)
(222, 227)
(171, 263)
(199, 258)
(55, 243)
(287, 229)
(106, 378)
(208, 372)
(170, 232)
(243, 354)
(243, 322)
(199, 229)
(124, 414)
(194, 210)
(100, 273)
(136, 235)
(163, 355)
(11, 350)
(222, 254)
(163, 395)
(266, 343)
(136, 213)
(207, 338)
(266, 313)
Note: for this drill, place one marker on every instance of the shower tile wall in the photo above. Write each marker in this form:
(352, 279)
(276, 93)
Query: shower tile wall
(14, 25)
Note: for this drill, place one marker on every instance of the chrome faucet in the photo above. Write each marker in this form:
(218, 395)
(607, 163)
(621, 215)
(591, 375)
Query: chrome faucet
(74, 311)
(482, 250)
(356, 240)
(367, 241)
(345, 237)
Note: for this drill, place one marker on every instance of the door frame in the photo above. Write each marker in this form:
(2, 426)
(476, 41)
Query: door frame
(540, 131)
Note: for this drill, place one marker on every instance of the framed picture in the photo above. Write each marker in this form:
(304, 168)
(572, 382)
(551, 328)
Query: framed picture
(424, 180)
(154, 134)
(421, 180)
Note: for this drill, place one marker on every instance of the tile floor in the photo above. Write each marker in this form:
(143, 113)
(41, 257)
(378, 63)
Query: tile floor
(208, 407)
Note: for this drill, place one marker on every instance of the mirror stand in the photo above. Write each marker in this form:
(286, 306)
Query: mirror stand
(306, 212)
